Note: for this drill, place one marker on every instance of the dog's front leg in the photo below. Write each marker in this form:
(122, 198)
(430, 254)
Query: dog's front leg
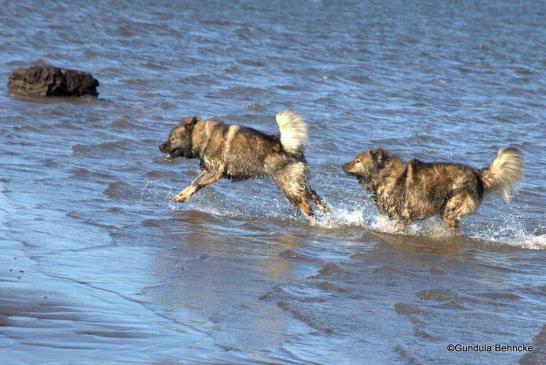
(184, 194)
(188, 191)
(204, 179)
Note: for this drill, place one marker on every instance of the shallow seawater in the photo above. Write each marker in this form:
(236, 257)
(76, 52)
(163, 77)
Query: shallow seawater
(98, 266)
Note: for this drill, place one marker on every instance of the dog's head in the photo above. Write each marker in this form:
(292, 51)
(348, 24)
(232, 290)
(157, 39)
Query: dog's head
(366, 164)
(179, 142)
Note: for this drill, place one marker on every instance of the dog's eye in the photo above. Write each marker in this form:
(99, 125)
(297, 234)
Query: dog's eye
(357, 160)
(172, 139)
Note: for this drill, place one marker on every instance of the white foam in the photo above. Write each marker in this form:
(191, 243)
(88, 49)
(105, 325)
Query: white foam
(512, 235)
(381, 223)
(340, 217)
(510, 232)
(534, 242)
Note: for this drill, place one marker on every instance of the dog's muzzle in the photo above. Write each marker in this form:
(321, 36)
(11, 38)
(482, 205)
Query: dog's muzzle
(170, 155)
(346, 167)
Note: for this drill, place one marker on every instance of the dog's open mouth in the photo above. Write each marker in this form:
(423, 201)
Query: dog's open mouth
(173, 154)
(178, 152)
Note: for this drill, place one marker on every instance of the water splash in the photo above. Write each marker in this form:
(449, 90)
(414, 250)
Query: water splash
(534, 242)
(157, 191)
(510, 230)
(340, 217)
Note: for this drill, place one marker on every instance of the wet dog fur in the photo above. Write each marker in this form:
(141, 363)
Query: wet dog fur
(236, 152)
(417, 190)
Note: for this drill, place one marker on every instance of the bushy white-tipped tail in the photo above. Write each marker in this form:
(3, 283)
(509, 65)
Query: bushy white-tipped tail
(504, 172)
(293, 131)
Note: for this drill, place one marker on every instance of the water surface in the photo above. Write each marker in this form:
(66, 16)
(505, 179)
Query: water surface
(97, 264)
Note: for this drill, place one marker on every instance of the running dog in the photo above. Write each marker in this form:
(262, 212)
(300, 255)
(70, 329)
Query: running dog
(238, 153)
(416, 190)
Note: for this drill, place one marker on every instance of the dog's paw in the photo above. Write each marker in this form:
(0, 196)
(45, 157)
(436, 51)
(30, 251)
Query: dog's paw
(313, 221)
(178, 198)
(324, 209)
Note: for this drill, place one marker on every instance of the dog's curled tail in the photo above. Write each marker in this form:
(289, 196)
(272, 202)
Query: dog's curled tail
(293, 131)
(504, 172)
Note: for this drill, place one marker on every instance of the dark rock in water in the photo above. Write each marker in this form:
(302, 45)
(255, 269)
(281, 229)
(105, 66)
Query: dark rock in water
(51, 81)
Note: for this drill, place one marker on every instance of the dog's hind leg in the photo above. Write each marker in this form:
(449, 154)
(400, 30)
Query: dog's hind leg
(317, 200)
(298, 197)
(457, 207)
(303, 205)
(451, 223)
(204, 179)
(291, 181)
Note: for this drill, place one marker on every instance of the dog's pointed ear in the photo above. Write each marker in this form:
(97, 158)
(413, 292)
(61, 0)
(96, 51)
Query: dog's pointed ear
(381, 156)
(194, 120)
(190, 121)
